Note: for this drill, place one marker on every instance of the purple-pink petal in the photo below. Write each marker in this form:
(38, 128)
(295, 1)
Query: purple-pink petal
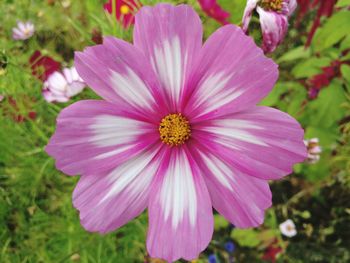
(96, 136)
(239, 153)
(226, 78)
(121, 74)
(180, 212)
(292, 5)
(106, 201)
(274, 27)
(248, 12)
(171, 37)
(262, 142)
(241, 199)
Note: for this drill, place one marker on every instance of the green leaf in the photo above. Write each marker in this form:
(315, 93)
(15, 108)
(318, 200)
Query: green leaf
(245, 237)
(345, 44)
(346, 57)
(327, 136)
(270, 219)
(326, 109)
(335, 29)
(310, 67)
(294, 54)
(235, 8)
(220, 222)
(274, 96)
(343, 3)
(345, 71)
(305, 214)
(296, 100)
(318, 171)
(297, 168)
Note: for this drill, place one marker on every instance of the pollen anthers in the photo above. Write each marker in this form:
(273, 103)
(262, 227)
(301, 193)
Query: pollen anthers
(174, 129)
(272, 5)
(124, 9)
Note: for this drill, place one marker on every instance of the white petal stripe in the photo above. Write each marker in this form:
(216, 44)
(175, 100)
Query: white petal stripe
(178, 194)
(126, 173)
(132, 88)
(170, 66)
(111, 130)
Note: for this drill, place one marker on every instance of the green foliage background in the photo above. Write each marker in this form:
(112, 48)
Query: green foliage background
(37, 220)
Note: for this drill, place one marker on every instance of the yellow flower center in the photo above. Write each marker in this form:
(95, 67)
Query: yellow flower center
(26, 32)
(174, 129)
(290, 228)
(274, 5)
(124, 9)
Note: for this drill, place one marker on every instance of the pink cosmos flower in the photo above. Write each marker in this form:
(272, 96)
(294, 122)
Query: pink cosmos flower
(125, 10)
(178, 132)
(274, 16)
(23, 31)
(1, 97)
(60, 87)
(214, 10)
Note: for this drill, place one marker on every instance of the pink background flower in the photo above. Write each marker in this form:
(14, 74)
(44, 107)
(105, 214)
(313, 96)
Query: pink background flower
(273, 21)
(23, 30)
(61, 86)
(125, 10)
(214, 10)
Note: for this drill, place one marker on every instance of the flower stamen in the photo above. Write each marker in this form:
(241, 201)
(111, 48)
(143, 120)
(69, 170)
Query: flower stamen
(272, 5)
(174, 129)
(124, 9)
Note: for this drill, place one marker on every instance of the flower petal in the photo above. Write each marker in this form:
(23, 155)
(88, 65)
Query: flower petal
(57, 82)
(241, 199)
(96, 136)
(248, 12)
(180, 213)
(261, 142)
(121, 74)
(292, 5)
(171, 37)
(274, 27)
(108, 201)
(232, 74)
(51, 96)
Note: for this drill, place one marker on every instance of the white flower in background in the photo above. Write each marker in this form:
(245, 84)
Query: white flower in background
(1, 97)
(314, 150)
(61, 87)
(288, 229)
(23, 31)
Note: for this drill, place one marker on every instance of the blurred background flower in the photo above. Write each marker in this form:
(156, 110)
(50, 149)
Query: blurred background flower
(43, 66)
(314, 150)
(124, 10)
(287, 228)
(23, 30)
(273, 16)
(61, 86)
(215, 11)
